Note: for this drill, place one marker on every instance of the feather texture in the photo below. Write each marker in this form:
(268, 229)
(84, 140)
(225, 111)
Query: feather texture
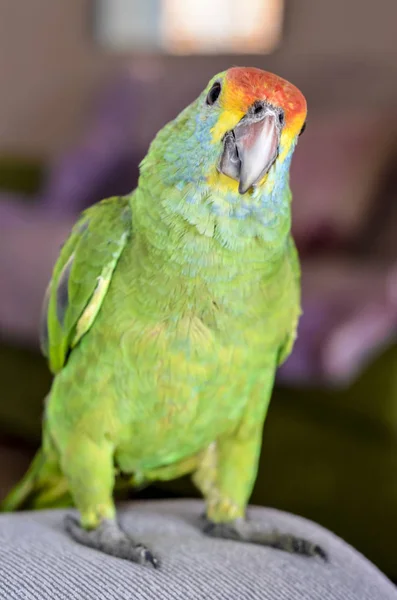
(168, 312)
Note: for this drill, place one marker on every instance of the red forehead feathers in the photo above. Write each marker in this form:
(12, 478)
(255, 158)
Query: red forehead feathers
(245, 85)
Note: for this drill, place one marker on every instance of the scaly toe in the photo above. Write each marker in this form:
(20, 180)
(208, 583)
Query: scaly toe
(109, 538)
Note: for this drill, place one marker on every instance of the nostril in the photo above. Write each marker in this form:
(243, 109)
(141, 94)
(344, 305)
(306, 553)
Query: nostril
(258, 109)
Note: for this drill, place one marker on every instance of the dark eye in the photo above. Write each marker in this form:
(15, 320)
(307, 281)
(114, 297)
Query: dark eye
(281, 118)
(303, 128)
(213, 94)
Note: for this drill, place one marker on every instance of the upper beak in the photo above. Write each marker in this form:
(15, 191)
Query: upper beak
(250, 149)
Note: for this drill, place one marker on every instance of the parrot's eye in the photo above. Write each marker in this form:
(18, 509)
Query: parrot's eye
(281, 118)
(303, 128)
(213, 94)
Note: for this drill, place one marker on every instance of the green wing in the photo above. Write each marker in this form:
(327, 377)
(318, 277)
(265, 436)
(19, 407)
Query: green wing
(81, 277)
(293, 256)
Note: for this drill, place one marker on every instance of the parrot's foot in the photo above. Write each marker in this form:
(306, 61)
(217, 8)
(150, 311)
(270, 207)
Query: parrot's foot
(243, 531)
(110, 539)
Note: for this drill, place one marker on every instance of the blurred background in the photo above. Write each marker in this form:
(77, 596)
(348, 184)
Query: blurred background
(86, 84)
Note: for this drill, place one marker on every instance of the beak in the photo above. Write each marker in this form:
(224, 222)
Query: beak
(250, 149)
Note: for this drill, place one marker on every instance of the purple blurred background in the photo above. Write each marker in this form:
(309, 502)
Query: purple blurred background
(89, 114)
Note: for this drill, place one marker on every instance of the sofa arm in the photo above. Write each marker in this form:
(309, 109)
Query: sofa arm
(39, 560)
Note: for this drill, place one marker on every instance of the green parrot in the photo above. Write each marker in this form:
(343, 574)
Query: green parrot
(166, 317)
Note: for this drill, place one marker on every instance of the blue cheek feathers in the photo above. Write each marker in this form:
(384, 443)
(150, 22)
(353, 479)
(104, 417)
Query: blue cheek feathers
(188, 170)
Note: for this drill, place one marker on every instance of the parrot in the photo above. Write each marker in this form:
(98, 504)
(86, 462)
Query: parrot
(167, 315)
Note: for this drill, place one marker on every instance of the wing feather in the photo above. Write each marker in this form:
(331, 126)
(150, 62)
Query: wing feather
(81, 277)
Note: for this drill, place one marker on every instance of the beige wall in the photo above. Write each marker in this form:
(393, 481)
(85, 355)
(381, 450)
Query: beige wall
(49, 65)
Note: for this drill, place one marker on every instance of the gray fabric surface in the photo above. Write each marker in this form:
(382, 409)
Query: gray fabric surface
(39, 562)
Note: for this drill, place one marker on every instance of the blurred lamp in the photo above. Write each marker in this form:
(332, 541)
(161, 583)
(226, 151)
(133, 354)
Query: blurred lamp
(189, 26)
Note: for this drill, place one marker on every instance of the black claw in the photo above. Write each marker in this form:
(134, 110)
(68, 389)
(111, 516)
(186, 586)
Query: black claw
(109, 538)
(150, 558)
(242, 531)
(318, 551)
(306, 548)
(297, 545)
(146, 557)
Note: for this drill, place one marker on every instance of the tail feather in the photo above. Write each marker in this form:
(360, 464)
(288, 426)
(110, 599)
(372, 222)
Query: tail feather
(43, 486)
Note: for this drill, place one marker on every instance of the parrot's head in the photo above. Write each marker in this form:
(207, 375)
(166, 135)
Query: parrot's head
(243, 126)
(259, 118)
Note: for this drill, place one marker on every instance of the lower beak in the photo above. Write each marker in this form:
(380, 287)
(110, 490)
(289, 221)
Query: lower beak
(249, 150)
